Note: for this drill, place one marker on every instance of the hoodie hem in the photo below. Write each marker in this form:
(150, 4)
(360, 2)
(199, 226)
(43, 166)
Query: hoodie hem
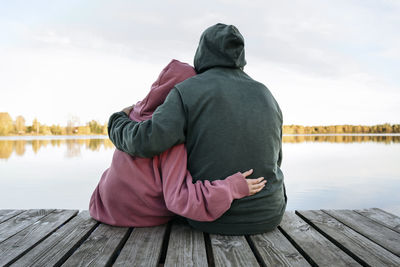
(237, 228)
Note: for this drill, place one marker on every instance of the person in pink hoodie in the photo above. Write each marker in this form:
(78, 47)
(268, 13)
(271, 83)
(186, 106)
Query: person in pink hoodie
(141, 192)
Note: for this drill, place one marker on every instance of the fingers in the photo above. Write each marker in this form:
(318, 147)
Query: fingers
(247, 173)
(255, 181)
(256, 185)
(128, 110)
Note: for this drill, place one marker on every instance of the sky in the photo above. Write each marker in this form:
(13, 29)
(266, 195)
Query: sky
(326, 62)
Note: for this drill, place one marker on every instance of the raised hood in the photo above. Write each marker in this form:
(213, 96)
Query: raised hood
(220, 46)
(175, 72)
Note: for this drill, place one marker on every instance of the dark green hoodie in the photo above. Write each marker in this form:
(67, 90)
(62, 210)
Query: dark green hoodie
(229, 123)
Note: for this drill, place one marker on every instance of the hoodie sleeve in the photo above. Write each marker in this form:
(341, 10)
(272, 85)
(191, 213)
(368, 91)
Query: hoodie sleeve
(148, 138)
(202, 201)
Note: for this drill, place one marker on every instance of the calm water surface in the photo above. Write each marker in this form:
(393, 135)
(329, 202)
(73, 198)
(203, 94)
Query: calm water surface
(329, 172)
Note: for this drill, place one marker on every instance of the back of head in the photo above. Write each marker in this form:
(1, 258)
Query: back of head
(175, 72)
(220, 45)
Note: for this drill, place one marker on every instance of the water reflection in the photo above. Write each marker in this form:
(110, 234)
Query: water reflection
(74, 146)
(330, 172)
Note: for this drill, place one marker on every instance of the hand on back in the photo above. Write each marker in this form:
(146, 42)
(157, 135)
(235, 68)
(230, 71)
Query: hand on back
(255, 185)
(128, 110)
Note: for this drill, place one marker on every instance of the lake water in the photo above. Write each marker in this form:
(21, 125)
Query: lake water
(321, 172)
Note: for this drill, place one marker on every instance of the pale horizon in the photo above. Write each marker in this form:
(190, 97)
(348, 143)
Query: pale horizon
(326, 63)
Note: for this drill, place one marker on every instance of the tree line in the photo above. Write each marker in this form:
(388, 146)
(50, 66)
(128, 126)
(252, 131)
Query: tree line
(387, 139)
(18, 127)
(342, 129)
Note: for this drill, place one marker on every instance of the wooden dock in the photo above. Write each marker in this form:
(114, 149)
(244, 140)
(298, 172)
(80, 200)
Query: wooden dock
(369, 237)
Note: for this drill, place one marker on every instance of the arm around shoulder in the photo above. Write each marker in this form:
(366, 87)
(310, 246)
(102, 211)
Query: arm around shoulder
(148, 138)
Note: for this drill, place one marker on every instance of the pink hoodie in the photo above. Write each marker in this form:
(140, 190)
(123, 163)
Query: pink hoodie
(148, 191)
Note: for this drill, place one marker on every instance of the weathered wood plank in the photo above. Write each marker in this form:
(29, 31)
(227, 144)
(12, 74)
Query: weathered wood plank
(319, 249)
(359, 246)
(32, 238)
(186, 247)
(143, 247)
(55, 249)
(381, 235)
(7, 214)
(17, 245)
(275, 250)
(232, 251)
(380, 216)
(100, 247)
(20, 222)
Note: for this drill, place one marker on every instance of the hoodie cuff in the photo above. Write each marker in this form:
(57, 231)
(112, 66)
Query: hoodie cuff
(238, 185)
(113, 117)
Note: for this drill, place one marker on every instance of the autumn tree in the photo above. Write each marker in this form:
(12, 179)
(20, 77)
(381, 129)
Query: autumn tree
(105, 129)
(20, 125)
(95, 127)
(83, 130)
(56, 129)
(44, 129)
(35, 126)
(6, 123)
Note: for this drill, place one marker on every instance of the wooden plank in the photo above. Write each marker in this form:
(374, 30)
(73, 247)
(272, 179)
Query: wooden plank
(7, 214)
(366, 251)
(381, 235)
(143, 247)
(232, 251)
(17, 245)
(20, 222)
(319, 250)
(100, 248)
(186, 247)
(55, 249)
(380, 216)
(276, 250)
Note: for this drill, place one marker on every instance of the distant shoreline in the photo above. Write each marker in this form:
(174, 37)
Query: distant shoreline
(8, 127)
(52, 137)
(100, 136)
(346, 134)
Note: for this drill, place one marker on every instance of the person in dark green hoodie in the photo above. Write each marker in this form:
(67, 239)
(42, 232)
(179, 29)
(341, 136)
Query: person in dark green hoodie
(229, 123)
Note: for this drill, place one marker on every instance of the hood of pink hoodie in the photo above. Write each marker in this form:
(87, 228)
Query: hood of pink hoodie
(174, 73)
